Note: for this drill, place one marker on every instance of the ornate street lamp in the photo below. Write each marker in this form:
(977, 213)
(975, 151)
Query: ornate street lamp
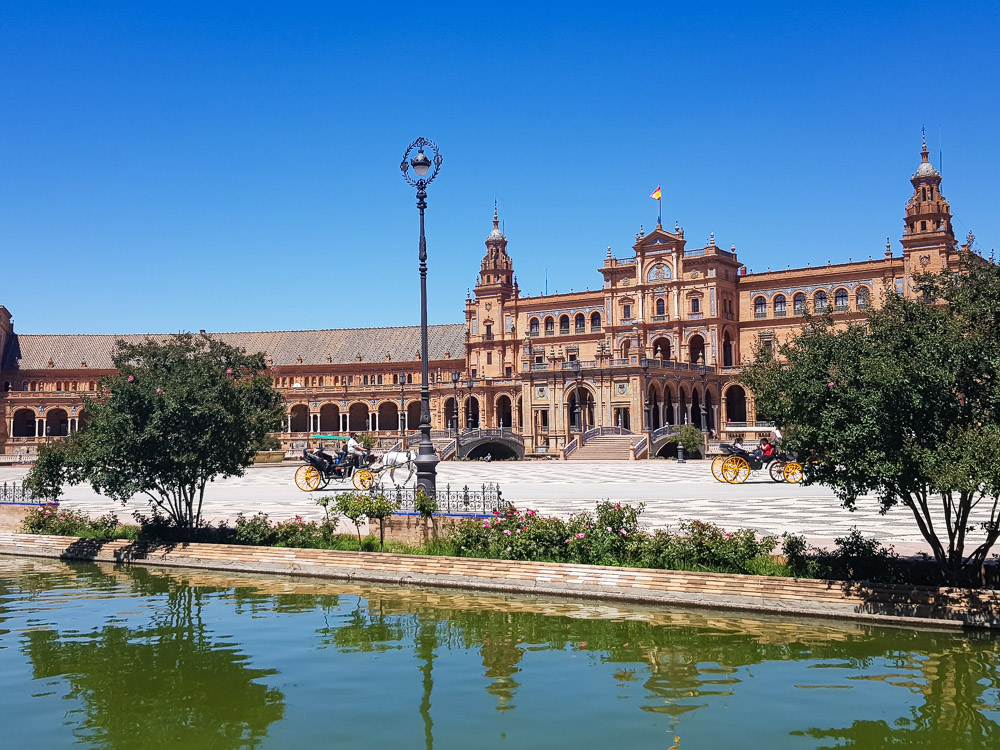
(456, 376)
(702, 370)
(426, 460)
(470, 384)
(402, 413)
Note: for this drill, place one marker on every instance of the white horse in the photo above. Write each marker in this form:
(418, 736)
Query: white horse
(393, 460)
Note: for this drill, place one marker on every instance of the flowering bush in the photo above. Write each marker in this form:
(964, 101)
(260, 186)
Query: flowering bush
(707, 546)
(50, 519)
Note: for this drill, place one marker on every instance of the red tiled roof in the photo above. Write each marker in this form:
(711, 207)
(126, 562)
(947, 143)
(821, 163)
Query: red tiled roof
(68, 351)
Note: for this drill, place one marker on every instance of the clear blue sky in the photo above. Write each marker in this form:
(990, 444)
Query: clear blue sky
(235, 166)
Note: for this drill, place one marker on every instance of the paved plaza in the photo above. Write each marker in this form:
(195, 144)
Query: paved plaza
(671, 492)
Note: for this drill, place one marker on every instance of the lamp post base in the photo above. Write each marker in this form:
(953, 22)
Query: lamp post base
(425, 462)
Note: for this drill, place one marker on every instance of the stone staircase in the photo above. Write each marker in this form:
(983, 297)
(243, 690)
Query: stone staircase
(606, 448)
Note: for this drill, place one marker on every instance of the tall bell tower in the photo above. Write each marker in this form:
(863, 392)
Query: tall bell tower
(928, 240)
(490, 313)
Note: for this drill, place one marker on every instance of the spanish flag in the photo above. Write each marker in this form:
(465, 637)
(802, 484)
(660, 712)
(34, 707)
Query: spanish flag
(655, 195)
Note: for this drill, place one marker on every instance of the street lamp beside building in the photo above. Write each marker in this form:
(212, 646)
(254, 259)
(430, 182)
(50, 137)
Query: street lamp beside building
(426, 461)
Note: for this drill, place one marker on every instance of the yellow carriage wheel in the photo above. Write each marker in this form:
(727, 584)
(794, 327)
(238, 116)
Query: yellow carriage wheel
(735, 469)
(363, 479)
(717, 467)
(793, 472)
(307, 478)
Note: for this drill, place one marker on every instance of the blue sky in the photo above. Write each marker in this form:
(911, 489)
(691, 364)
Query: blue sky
(235, 166)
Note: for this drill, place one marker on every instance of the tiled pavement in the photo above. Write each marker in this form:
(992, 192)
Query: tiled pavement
(670, 491)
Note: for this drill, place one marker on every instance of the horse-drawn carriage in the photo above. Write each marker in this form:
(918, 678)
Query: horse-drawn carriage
(734, 466)
(317, 472)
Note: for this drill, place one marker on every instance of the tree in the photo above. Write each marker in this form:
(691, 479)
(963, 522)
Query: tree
(691, 438)
(179, 413)
(905, 406)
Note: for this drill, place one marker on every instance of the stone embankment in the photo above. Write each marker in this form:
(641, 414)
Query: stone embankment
(877, 604)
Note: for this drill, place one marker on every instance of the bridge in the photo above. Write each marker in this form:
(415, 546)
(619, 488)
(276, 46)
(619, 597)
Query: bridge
(501, 443)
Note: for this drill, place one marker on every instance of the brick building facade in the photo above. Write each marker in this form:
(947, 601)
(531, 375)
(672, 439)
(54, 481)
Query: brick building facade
(658, 344)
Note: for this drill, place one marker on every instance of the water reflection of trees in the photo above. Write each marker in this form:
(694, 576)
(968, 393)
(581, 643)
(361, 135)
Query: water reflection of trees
(167, 683)
(683, 660)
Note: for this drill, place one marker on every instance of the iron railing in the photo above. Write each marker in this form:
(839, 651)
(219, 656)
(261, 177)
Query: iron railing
(481, 502)
(14, 493)
(571, 447)
(449, 450)
(598, 431)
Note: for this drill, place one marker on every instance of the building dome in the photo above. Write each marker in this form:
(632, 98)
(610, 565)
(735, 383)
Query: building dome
(926, 169)
(494, 235)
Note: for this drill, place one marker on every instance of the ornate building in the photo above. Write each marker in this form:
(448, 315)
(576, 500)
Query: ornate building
(660, 343)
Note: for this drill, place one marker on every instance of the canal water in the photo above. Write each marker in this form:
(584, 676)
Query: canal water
(95, 655)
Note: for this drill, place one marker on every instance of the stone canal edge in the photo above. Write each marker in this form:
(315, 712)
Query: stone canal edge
(920, 606)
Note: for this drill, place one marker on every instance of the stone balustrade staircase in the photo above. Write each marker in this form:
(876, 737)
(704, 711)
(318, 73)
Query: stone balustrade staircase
(606, 448)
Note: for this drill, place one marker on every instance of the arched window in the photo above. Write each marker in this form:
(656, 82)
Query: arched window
(864, 298)
(779, 306)
(696, 304)
(380, 380)
(760, 307)
(564, 325)
(822, 302)
(581, 323)
(661, 307)
(595, 321)
(840, 300)
(533, 326)
(550, 326)
(799, 303)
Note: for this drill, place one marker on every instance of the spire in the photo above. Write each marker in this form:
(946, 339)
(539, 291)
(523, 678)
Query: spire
(496, 216)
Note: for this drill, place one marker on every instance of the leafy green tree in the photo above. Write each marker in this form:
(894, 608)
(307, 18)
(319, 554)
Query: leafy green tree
(379, 507)
(691, 438)
(179, 413)
(353, 507)
(905, 406)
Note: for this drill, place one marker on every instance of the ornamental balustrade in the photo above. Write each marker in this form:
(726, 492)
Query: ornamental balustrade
(14, 493)
(660, 432)
(502, 433)
(571, 447)
(482, 501)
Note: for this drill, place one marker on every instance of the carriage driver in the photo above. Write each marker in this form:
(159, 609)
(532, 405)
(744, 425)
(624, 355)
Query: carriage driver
(355, 451)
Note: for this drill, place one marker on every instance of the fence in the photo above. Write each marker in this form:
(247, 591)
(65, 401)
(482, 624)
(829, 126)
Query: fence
(639, 449)
(571, 447)
(505, 433)
(482, 501)
(12, 493)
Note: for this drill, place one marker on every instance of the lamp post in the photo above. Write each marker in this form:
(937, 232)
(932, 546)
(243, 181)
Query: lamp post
(702, 370)
(455, 377)
(470, 384)
(402, 414)
(426, 461)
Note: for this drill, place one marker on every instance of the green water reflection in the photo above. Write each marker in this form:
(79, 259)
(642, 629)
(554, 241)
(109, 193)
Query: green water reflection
(131, 657)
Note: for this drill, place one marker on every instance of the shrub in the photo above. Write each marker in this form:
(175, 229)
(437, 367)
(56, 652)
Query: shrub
(50, 519)
(706, 546)
(424, 504)
(256, 530)
(511, 535)
(800, 559)
(859, 559)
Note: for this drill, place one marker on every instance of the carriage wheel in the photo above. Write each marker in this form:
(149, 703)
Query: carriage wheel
(777, 471)
(307, 478)
(363, 480)
(793, 472)
(735, 469)
(717, 467)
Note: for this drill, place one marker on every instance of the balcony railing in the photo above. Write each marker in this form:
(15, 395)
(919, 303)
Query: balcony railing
(760, 314)
(780, 313)
(658, 318)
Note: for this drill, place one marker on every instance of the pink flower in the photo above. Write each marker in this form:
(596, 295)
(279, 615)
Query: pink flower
(131, 378)
(609, 528)
(508, 549)
(518, 531)
(507, 532)
(531, 512)
(580, 536)
(159, 390)
(229, 371)
(486, 524)
(567, 541)
(624, 532)
(830, 384)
